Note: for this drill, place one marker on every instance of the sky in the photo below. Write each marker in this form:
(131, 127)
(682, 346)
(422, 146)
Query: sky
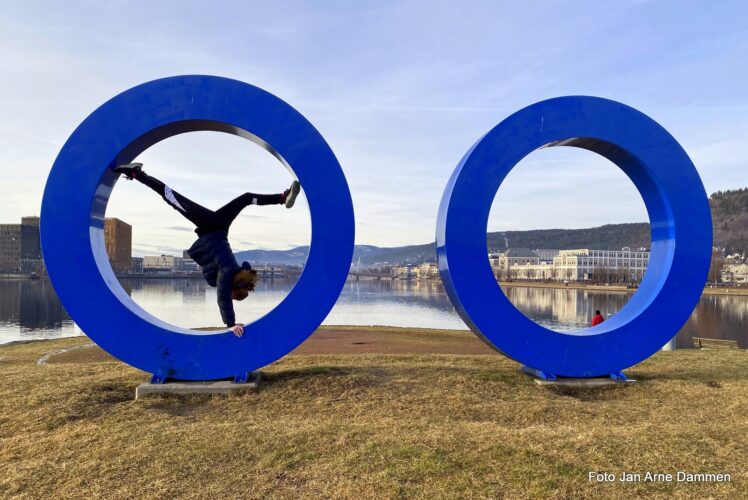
(400, 91)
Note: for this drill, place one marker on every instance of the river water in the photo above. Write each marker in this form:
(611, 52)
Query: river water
(31, 309)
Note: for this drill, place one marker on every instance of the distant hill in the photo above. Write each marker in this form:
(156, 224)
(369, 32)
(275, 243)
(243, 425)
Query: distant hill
(607, 237)
(730, 220)
(294, 257)
(369, 254)
(729, 213)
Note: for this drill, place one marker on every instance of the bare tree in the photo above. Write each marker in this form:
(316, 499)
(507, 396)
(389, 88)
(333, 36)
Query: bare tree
(716, 266)
(598, 274)
(620, 274)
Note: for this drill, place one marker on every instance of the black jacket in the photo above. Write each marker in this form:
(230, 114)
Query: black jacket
(213, 254)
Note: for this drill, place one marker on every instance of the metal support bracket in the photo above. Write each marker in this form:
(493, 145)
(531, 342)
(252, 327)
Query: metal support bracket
(538, 373)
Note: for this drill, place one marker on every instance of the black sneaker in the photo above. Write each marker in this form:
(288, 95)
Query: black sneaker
(130, 170)
(291, 193)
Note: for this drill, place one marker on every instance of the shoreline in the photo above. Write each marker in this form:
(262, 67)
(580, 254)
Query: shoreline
(722, 290)
(735, 291)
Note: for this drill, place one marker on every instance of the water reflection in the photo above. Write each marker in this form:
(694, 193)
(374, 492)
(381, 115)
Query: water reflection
(717, 317)
(564, 309)
(31, 310)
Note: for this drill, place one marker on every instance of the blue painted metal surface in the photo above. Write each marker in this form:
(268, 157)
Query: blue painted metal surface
(678, 211)
(81, 181)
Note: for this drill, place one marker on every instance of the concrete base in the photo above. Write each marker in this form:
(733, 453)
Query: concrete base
(584, 382)
(185, 387)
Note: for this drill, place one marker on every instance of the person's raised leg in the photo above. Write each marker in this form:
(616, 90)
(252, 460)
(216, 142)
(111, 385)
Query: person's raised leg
(227, 213)
(195, 213)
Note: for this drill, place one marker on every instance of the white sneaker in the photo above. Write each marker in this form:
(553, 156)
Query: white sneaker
(291, 193)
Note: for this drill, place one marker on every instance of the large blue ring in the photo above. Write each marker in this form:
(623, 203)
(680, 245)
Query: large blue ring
(678, 211)
(81, 181)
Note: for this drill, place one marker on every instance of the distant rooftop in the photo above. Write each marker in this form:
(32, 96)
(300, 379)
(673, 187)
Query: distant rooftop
(520, 252)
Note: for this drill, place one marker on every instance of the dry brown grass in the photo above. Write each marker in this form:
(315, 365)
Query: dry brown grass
(371, 426)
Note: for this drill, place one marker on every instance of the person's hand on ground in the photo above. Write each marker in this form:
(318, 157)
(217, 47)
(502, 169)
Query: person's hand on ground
(238, 330)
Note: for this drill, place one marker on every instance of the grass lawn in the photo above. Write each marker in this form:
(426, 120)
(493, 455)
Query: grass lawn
(371, 426)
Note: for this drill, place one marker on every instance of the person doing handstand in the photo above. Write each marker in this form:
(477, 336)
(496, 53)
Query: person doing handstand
(211, 251)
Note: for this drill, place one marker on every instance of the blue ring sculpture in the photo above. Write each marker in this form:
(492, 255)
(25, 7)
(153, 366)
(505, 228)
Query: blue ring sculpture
(679, 215)
(76, 195)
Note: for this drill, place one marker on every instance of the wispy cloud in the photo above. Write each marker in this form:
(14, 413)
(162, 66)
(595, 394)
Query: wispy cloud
(400, 91)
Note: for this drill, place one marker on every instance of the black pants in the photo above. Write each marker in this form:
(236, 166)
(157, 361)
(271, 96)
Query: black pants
(205, 220)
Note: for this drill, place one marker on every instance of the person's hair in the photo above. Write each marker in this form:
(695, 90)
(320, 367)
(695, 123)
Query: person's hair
(245, 279)
(597, 311)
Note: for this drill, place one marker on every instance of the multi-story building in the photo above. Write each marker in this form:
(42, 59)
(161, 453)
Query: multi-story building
(407, 272)
(428, 270)
(602, 265)
(735, 273)
(540, 271)
(546, 254)
(576, 265)
(20, 247)
(188, 264)
(10, 247)
(137, 265)
(517, 257)
(118, 242)
(162, 263)
(501, 263)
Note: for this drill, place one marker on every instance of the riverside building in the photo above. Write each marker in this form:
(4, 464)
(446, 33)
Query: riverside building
(582, 264)
(20, 247)
(162, 263)
(118, 243)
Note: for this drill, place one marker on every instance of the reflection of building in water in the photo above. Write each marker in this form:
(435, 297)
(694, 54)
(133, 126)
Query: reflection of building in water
(572, 265)
(718, 317)
(193, 291)
(561, 306)
(424, 288)
(32, 304)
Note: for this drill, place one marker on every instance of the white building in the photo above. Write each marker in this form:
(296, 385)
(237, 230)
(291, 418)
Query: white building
(428, 270)
(407, 272)
(162, 262)
(602, 265)
(735, 273)
(516, 257)
(576, 265)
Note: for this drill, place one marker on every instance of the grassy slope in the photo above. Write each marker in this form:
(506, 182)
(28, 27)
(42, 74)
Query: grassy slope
(369, 426)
